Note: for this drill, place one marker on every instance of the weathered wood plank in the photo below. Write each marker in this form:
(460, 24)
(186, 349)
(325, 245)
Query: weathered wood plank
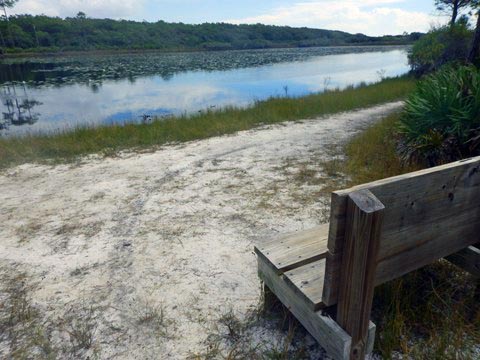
(432, 184)
(293, 250)
(336, 233)
(436, 245)
(429, 215)
(307, 281)
(468, 259)
(333, 269)
(323, 328)
(360, 250)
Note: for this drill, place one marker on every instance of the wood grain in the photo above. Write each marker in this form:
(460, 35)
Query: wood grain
(429, 214)
(333, 269)
(360, 251)
(307, 281)
(293, 250)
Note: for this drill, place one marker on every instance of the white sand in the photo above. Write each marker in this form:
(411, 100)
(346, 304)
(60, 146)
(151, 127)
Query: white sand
(173, 229)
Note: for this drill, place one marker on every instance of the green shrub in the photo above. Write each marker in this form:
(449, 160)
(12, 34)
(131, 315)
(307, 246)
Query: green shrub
(441, 121)
(439, 47)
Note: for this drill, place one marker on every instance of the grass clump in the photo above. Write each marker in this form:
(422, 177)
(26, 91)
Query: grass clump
(154, 317)
(238, 337)
(66, 146)
(431, 313)
(372, 154)
(441, 122)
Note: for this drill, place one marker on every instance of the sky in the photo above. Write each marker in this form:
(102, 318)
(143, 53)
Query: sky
(371, 17)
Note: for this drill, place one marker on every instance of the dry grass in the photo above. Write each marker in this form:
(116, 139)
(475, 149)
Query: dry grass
(372, 154)
(432, 313)
(154, 317)
(26, 333)
(237, 337)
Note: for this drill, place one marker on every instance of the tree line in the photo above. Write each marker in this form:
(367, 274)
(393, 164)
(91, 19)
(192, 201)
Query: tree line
(44, 33)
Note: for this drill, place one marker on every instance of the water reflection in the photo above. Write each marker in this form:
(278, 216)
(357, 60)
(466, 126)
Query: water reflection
(18, 106)
(60, 71)
(67, 92)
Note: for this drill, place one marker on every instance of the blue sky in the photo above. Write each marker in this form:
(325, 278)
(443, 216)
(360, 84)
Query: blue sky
(372, 17)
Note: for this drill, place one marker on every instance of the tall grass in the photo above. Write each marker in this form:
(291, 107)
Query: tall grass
(431, 313)
(372, 155)
(65, 146)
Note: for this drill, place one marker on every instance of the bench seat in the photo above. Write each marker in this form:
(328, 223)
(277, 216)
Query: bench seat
(300, 258)
(293, 250)
(292, 266)
(307, 281)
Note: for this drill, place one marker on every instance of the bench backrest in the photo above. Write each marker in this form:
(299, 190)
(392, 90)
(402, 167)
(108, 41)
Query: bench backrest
(428, 215)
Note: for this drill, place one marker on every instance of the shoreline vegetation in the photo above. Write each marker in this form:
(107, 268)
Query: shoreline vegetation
(108, 140)
(27, 33)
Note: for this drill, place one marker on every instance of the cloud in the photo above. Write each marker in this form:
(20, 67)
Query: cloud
(371, 17)
(93, 8)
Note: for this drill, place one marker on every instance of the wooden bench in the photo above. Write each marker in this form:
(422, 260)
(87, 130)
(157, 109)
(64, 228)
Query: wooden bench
(377, 232)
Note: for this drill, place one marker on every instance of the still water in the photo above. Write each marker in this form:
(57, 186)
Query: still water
(56, 93)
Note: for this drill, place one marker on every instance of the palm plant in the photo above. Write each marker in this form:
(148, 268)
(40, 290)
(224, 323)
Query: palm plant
(441, 121)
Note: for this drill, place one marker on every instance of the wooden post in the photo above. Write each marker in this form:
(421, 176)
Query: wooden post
(269, 298)
(359, 263)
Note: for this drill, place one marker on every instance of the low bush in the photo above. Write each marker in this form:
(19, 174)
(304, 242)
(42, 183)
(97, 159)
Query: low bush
(441, 121)
(439, 47)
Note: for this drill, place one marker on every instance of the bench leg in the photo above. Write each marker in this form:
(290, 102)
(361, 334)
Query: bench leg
(269, 299)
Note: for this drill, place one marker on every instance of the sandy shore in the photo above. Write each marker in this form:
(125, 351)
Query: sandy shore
(155, 247)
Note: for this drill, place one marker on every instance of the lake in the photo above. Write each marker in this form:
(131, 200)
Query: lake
(48, 94)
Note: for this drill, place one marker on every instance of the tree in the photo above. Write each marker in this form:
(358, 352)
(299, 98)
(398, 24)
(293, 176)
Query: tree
(8, 4)
(452, 7)
(441, 46)
(475, 4)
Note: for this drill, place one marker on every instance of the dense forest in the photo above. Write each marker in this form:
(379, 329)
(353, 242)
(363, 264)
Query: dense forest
(43, 33)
